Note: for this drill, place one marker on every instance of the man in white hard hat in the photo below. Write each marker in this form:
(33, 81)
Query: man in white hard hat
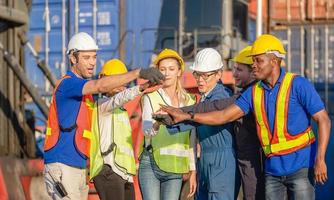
(249, 153)
(283, 105)
(217, 166)
(67, 140)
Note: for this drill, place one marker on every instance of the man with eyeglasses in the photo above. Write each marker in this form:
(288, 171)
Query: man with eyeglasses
(249, 153)
(217, 167)
(283, 105)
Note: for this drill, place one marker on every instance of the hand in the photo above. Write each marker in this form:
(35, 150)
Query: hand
(186, 176)
(156, 126)
(152, 74)
(148, 87)
(320, 171)
(163, 118)
(176, 113)
(192, 184)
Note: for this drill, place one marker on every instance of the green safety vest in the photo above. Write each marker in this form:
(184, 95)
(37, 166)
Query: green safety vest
(170, 151)
(122, 138)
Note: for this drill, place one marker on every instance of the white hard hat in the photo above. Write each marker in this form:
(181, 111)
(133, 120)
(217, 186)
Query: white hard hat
(207, 60)
(81, 42)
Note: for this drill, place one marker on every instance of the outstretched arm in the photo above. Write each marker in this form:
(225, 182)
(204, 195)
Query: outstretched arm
(107, 83)
(202, 107)
(324, 126)
(229, 114)
(107, 105)
(209, 106)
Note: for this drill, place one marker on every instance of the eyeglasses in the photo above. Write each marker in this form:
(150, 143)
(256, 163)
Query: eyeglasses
(204, 76)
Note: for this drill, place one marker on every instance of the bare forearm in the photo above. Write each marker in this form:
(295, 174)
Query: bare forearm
(110, 82)
(324, 126)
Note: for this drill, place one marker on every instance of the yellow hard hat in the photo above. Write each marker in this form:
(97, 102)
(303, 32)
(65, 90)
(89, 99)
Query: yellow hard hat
(268, 44)
(243, 56)
(169, 53)
(113, 67)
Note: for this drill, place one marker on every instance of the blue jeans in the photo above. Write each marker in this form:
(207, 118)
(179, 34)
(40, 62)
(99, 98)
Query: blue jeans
(296, 186)
(155, 183)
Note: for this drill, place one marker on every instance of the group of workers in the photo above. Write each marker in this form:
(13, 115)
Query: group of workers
(260, 138)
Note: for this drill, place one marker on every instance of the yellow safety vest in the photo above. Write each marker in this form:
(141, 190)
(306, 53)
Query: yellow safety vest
(280, 142)
(122, 138)
(170, 151)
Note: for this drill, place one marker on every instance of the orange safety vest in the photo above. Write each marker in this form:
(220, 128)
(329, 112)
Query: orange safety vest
(280, 142)
(82, 125)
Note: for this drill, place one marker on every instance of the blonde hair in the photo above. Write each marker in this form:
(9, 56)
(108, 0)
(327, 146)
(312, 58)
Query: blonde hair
(182, 94)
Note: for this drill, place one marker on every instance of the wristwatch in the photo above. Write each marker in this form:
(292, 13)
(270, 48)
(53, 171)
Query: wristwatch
(192, 114)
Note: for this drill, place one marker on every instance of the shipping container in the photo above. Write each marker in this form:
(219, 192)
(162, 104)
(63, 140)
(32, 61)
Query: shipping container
(281, 10)
(310, 52)
(320, 9)
(294, 10)
(52, 23)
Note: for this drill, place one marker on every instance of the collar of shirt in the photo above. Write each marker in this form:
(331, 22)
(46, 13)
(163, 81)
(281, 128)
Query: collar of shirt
(247, 86)
(278, 82)
(215, 89)
(71, 74)
(166, 98)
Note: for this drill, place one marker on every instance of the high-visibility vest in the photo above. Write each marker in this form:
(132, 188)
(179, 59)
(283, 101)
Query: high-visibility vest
(170, 151)
(281, 142)
(121, 147)
(82, 124)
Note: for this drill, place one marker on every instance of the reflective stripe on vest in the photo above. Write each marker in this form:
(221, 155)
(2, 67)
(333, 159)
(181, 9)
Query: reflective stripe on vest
(170, 151)
(122, 138)
(281, 142)
(83, 122)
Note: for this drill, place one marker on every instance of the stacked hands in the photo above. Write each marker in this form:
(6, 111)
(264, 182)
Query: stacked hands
(154, 77)
(169, 115)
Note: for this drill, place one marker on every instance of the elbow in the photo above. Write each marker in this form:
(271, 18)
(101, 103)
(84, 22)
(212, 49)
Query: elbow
(328, 122)
(324, 121)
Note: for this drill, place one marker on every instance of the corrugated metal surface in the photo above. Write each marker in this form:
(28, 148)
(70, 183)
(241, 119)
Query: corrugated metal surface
(279, 10)
(15, 138)
(101, 22)
(143, 19)
(320, 9)
(311, 54)
(295, 10)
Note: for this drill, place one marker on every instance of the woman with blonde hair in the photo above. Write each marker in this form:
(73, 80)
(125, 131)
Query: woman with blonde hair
(165, 157)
